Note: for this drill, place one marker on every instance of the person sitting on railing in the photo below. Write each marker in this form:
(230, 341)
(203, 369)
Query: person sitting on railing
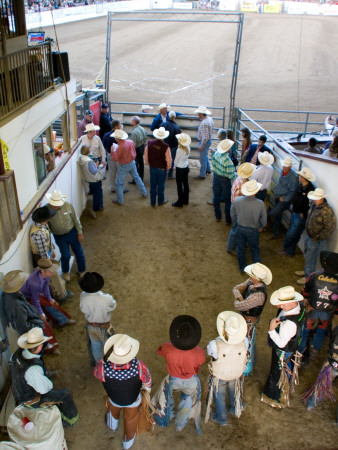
(161, 117)
(252, 156)
(332, 151)
(312, 148)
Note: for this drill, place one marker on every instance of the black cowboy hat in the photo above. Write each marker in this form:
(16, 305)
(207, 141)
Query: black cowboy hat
(91, 282)
(185, 332)
(329, 262)
(43, 214)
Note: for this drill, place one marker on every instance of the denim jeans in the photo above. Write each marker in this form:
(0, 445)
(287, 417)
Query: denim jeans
(187, 387)
(297, 226)
(204, 160)
(64, 241)
(250, 236)
(96, 189)
(277, 214)
(323, 318)
(222, 189)
(173, 151)
(124, 170)
(312, 250)
(97, 336)
(57, 315)
(232, 239)
(221, 415)
(311, 403)
(182, 185)
(140, 161)
(113, 168)
(157, 185)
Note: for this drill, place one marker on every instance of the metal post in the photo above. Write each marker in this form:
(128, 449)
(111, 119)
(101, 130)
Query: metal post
(107, 68)
(306, 124)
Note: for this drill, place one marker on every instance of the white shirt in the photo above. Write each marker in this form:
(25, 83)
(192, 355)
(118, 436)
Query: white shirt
(287, 329)
(181, 159)
(97, 307)
(263, 174)
(35, 376)
(95, 146)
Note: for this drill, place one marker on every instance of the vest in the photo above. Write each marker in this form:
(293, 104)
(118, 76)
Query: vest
(294, 342)
(257, 310)
(156, 154)
(322, 290)
(231, 361)
(120, 390)
(34, 229)
(89, 177)
(22, 391)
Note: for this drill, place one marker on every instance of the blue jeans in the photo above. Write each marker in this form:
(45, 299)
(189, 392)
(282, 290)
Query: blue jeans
(57, 315)
(204, 160)
(173, 151)
(297, 226)
(124, 170)
(222, 189)
(312, 250)
(323, 318)
(232, 239)
(187, 386)
(277, 214)
(250, 236)
(157, 185)
(221, 415)
(96, 189)
(97, 336)
(64, 241)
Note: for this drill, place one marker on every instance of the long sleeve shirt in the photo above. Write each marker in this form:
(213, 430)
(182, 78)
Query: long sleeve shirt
(223, 166)
(287, 329)
(181, 158)
(249, 212)
(97, 307)
(125, 152)
(65, 220)
(35, 376)
(205, 129)
(263, 175)
(95, 146)
(139, 136)
(286, 186)
(42, 244)
(252, 299)
(33, 287)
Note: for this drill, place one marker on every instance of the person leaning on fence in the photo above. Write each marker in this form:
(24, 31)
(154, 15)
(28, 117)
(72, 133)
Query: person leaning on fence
(181, 166)
(263, 174)
(204, 137)
(161, 117)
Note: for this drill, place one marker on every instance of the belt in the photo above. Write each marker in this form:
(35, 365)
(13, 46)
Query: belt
(105, 325)
(31, 402)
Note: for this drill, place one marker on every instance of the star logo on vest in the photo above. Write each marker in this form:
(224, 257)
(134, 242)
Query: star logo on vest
(324, 293)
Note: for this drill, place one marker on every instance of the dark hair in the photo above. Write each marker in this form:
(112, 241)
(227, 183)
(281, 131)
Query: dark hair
(230, 135)
(114, 124)
(222, 134)
(334, 148)
(312, 142)
(262, 138)
(247, 135)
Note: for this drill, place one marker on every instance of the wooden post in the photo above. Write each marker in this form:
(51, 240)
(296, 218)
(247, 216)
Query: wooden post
(2, 162)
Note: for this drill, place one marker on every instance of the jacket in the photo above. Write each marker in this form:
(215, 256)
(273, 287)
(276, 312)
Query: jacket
(173, 128)
(300, 200)
(286, 186)
(320, 222)
(19, 313)
(87, 166)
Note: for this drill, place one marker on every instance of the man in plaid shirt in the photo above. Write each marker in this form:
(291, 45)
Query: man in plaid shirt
(204, 136)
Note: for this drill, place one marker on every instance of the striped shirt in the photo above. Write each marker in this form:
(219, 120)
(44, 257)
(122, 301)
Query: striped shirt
(35, 376)
(252, 299)
(223, 166)
(205, 129)
(41, 243)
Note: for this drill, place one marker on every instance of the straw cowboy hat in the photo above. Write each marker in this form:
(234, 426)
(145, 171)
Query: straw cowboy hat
(56, 198)
(307, 174)
(259, 272)
(120, 134)
(91, 127)
(287, 162)
(185, 332)
(245, 170)
(13, 281)
(120, 349)
(265, 158)
(202, 110)
(161, 133)
(184, 139)
(33, 338)
(48, 264)
(91, 282)
(251, 187)
(284, 295)
(329, 261)
(47, 149)
(162, 106)
(225, 145)
(43, 214)
(317, 194)
(231, 327)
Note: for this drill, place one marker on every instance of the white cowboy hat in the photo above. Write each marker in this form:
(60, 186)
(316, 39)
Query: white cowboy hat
(225, 145)
(33, 338)
(202, 110)
(91, 127)
(231, 327)
(284, 295)
(287, 162)
(259, 272)
(317, 194)
(307, 174)
(161, 133)
(184, 139)
(245, 170)
(265, 158)
(120, 134)
(162, 106)
(146, 107)
(13, 281)
(46, 149)
(121, 348)
(56, 198)
(251, 187)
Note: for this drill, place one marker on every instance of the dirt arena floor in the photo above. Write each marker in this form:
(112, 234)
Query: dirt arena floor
(161, 262)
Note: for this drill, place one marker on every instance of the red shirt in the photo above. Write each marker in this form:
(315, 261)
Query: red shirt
(182, 363)
(125, 152)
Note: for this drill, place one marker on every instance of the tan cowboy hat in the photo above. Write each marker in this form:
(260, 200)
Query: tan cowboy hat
(317, 194)
(231, 327)
(184, 139)
(162, 106)
(225, 145)
(56, 198)
(259, 272)
(33, 338)
(284, 295)
(13, 281)
(120, 349)
(245, 170)
(91, 127)
(287, 162)
(202, 110)
(120, 134)
(307, 174)
(48, 264)
(251, 187)
(161, 133)
(265, 158)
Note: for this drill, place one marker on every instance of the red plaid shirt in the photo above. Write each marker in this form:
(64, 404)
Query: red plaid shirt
(143, 371)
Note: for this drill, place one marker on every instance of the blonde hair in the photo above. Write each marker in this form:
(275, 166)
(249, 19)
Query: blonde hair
(183, 147)
(85, 150)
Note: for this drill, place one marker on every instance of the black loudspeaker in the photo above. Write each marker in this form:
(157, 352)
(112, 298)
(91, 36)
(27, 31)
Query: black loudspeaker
(61, 66)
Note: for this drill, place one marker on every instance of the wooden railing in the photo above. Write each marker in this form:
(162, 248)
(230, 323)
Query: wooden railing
(12, 18)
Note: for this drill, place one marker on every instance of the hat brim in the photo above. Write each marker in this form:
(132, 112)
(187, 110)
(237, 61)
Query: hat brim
(97, 286)
(206, 112)
(166, 134)
(186, 144)
(312, 178)
(53, 202)
(191, 341)
(22, 341)
(17, 287)
(274, 300)
(117, 359)
(220, 149)
(247, 193)
(265, 163)
(245, 175)
(243, 328)
(95, 128)
(311, 196)
(123, 138)
(53, 268)
(285, 164)
(267, 280)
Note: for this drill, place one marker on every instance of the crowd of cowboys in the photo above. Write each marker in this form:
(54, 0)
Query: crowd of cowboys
(30, 303)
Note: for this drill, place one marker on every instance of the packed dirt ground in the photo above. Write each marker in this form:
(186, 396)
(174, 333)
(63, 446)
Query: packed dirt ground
(161, 262)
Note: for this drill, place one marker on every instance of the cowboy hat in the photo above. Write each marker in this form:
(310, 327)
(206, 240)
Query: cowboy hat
(284, 295)
(120, 349)
(33, 338)
(265, 158)
(251, 187)
(48, 264)
(120, 134)
(317, 194)
(56, 198)
(287, 162)
(307, 174)
(162, 106)
(259, 272)
(202, 110)
(329, 261)
(225, 145)
(146, 107)
(184, 139)
(13, 281)
(47, 149)
(43, 214)
(91, 127)
(161, 133)
(231, 327)
(185, 332)
(245, 170)
(91, 282)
